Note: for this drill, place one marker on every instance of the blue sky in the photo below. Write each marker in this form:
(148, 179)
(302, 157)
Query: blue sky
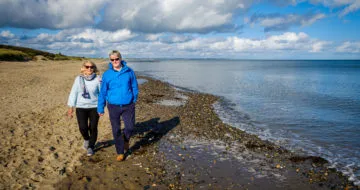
(235, 29)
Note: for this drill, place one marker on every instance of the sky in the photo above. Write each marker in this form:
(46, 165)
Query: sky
(223, 29)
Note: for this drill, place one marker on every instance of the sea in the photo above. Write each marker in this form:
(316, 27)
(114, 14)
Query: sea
(310, 107)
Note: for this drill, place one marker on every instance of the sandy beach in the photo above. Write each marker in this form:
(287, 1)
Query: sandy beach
(179, 141)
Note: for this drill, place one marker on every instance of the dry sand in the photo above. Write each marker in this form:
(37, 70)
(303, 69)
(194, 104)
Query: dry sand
(37, 140)
(179, 142)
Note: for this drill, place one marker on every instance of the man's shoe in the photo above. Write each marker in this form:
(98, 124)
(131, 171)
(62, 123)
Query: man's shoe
(90, 152)
(120, 157)
(86, 144)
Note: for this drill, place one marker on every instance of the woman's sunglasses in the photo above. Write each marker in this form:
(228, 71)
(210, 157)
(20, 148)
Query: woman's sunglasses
(91, 67)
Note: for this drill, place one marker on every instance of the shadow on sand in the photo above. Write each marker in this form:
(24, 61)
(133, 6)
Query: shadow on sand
(148, 132)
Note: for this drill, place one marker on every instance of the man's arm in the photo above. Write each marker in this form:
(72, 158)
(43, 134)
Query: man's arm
(102, 96)
(134, 86)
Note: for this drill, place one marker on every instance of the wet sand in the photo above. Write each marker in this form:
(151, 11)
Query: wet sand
(179, 142)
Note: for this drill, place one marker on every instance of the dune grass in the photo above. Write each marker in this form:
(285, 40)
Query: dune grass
(13, 55)
(16, 53)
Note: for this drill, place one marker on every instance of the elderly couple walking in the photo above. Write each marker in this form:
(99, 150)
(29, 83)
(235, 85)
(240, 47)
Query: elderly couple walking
(118, 89)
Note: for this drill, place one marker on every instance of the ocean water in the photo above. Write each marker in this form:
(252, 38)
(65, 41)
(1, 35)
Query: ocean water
(310, 107)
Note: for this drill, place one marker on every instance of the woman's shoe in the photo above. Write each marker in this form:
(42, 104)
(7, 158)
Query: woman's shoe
(86, 144)
(90, 152)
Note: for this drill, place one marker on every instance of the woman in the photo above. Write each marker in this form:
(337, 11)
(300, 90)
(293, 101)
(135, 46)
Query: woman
(84, 97)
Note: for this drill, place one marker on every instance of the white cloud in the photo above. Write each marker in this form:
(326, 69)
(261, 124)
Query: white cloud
(155, 16)
(268, 22)
(226, 44)
(52, 14)
(202, 20)
(247, 45)
(96, 35)
(312, 20)
(346, 6)
(287, 42)
(319, 46)
(285, 2)
(290, 37)
(175, 38)
(85, 36)
(152, 16)
(6, 34)
(120, 35)
(349, 47)
(167, 37)
(351, 8)
(94, 42)
(196, 44)
(333, 3)
(277, 22)
(152, 37)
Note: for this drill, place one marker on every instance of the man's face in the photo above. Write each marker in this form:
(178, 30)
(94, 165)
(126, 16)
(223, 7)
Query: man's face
(115, 60)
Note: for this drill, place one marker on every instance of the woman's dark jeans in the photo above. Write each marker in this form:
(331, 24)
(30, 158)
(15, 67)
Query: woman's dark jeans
(88, 120)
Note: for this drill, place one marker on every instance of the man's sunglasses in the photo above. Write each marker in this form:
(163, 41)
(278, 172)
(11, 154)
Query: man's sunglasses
(116, 59)
(91, 67)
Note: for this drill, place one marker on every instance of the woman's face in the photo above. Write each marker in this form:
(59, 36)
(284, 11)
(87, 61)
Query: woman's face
(89, 68)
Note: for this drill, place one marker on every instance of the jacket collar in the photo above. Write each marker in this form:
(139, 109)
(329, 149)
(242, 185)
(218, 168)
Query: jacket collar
(123, 68)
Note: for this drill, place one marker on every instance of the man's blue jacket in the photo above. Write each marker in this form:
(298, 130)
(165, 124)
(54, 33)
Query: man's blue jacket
(118, 87)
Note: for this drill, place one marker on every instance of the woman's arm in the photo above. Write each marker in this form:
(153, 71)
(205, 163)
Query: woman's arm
(73, 97)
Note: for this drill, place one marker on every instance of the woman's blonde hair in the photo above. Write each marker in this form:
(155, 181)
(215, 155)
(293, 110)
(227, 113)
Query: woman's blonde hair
(95, 70)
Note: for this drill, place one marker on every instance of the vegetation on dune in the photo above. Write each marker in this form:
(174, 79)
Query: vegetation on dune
(15, 53)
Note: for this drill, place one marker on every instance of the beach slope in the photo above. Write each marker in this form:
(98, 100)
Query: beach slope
(179, 141)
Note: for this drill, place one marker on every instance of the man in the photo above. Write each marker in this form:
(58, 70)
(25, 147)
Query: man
(120, 89)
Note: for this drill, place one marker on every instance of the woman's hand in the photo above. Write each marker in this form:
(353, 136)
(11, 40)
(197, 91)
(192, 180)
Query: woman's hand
(70, 112)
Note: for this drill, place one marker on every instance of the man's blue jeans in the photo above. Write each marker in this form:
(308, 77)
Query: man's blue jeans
(127, 113)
